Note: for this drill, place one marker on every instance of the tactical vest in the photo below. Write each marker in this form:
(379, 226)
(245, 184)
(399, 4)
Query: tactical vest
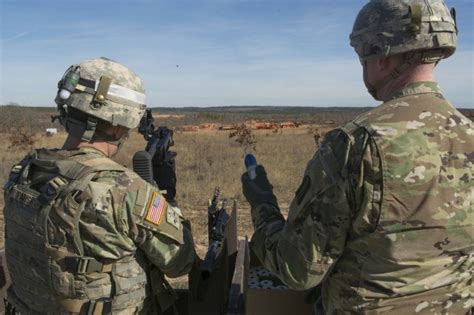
(42, 209)
(410, 247)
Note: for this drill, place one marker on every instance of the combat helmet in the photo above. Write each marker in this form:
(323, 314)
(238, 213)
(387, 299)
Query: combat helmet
(424, 31)
(99, 89)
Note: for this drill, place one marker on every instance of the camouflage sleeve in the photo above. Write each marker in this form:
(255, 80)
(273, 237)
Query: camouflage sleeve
(158, 230)
(302, 250)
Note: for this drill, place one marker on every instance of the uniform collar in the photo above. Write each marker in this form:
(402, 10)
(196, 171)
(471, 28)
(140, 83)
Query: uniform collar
(420, 87)
(86, 151)
(92, 150)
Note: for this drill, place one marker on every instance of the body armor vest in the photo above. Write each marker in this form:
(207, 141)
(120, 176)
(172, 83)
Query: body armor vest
(50, 273)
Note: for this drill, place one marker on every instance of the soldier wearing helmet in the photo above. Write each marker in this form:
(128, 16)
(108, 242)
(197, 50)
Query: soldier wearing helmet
(383, 219)
(85, 235)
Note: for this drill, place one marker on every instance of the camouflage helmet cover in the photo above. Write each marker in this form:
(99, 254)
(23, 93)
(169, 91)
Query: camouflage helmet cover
(390, 27)
(121, 103)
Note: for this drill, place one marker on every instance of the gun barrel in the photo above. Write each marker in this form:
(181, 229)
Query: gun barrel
(158, 142)
(146, 126)
(213, 204)
(152, 145)
(165, 142)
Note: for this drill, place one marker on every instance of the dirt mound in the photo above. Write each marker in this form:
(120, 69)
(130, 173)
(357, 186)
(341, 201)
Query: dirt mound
(251, 124)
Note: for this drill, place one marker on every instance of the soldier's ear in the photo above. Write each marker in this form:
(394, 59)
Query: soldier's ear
(120, 132)
(384, 64)
(116, 132)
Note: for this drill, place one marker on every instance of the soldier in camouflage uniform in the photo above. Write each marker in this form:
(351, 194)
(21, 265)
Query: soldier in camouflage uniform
(383, 219)
(85, 235)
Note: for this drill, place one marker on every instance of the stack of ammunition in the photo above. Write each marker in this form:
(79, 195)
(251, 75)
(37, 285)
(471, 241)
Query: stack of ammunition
(260, 278)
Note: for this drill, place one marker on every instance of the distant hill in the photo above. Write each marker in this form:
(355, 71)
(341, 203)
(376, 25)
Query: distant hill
(262, 109)
(37, 119)
(259, 109)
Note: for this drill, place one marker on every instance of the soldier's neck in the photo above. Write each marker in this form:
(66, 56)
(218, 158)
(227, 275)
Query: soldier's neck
(423, 72)
(106, 148)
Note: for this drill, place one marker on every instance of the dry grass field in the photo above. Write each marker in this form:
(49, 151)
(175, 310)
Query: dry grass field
(207, 159)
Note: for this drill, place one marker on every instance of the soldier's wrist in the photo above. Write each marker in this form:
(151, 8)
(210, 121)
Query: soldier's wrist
(172, 202)
(265, 213)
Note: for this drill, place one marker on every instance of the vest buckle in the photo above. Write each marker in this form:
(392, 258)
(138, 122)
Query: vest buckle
(99, 307)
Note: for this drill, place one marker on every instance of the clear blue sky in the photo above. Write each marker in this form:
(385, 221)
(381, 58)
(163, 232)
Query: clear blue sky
(206, 52)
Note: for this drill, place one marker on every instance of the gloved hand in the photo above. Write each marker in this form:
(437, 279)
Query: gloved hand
(165, 175)
(259, 190)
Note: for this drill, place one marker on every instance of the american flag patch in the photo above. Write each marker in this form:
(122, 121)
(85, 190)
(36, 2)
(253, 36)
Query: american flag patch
(156, 209)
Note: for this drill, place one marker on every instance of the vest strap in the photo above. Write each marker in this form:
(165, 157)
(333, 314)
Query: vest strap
(163, 291)
(51, 189)
(84, 265)
(78, 265)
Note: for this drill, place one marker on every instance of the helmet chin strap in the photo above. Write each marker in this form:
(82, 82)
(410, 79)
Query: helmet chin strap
(85, 130)
(118, 143)
(88, 131)
(409, 60)
(370, 87)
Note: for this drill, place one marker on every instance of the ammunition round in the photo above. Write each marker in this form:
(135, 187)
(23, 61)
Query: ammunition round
(268, 283)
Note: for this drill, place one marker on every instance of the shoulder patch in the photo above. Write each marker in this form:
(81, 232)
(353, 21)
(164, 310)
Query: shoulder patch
(157, 215)
(173, 217)
(156, 209)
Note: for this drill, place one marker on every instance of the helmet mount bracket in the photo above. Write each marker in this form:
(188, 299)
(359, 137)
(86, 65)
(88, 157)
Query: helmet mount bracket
(416, 15)
(102, 90)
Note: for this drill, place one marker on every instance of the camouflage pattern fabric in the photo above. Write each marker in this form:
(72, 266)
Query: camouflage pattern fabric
(390, 27)
(167, 245)
(117, 111)
(118, 226)
(384, 216)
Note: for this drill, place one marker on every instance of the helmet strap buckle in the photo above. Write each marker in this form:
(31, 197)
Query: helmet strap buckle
(91, 126)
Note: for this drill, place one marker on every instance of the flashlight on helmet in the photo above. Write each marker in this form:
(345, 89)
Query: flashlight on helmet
(68, 83)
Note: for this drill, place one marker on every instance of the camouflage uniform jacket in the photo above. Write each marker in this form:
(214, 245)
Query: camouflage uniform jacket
(85, 235)
(384, 217)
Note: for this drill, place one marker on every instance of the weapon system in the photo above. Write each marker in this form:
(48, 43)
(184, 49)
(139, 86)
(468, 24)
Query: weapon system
(159, 140)
(217, 221)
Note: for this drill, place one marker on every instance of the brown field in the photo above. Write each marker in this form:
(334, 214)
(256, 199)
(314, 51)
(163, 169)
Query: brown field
(207, 159)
